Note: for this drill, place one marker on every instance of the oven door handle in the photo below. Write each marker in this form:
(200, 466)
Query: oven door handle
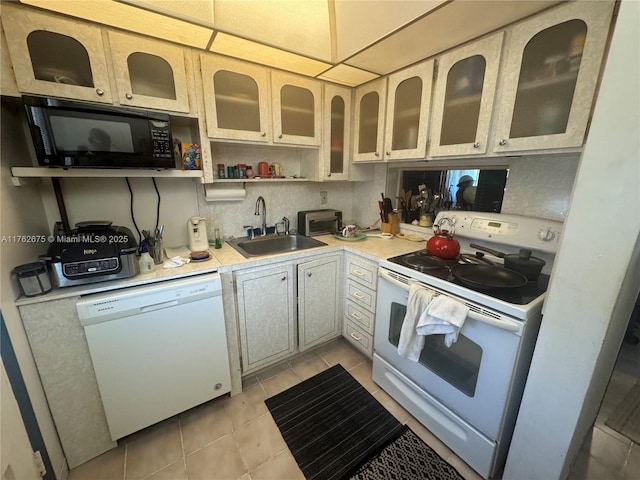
(502, 324)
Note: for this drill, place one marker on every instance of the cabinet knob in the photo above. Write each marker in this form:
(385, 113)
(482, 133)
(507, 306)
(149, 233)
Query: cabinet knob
(388, 153)
(329, 174)
(283, 278)
(280, 136)
(308, 274)
(476, 145)
(264, 134)
(129, 96)
(99, 91)
(377, 154)
(502, 142)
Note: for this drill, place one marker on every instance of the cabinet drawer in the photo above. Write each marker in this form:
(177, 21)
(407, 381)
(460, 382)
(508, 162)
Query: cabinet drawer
(361, 317)
(362, 272)
(363, 341)
(365, 297)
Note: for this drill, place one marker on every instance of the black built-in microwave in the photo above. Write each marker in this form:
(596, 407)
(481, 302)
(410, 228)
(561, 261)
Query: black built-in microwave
(74, 134)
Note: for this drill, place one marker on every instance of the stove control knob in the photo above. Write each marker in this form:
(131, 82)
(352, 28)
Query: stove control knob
(546, 235)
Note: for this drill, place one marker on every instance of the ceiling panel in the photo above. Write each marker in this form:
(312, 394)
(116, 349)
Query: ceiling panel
(360, 23)
(198, 11)
(451, 25)
(273, 57)
(300, 26)
(347, 75)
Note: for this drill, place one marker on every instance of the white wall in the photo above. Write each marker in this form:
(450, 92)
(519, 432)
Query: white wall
(596, 276)
(22, 213)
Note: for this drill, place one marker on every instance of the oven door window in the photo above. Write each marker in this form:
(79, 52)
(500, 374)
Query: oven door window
(458, 365)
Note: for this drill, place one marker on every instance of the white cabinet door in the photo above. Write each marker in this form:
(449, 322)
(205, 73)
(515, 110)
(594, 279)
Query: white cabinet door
(335, 151)
(408, 107)
(369, 104)
(319, 301)
(550, 76)
(236, 97)
(297, 114)
(149, 73)
(56, 56)
(463, 98)
(266, 315)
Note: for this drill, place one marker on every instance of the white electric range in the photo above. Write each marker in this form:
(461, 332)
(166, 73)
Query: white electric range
(468, 394)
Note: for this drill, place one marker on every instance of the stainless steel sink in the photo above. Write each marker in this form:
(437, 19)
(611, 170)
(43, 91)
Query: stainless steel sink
(273, 244)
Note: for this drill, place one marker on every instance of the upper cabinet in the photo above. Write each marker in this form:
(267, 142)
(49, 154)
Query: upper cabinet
(297, 114)
(149, 73)
(239, 105)
(236, 98)
(369, 120)
(550, 75)
(336, 142)
(392, 117)
(408, 107)
(56, 56)
(463, 98)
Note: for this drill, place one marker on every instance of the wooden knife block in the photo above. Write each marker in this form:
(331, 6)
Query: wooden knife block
(393, 226)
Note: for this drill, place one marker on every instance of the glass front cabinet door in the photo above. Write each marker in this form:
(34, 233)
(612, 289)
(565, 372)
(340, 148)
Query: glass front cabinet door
(463, 98)
(336, 141)
(551, 71)
(408, 107)
(297, 117)
(236, 97)
(369, 121)
(149, 73)
(56, 56)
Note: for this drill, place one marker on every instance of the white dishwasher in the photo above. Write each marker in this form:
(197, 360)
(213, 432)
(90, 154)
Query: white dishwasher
(157, 350)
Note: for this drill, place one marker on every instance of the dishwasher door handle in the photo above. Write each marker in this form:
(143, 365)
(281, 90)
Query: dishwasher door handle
(158, 306)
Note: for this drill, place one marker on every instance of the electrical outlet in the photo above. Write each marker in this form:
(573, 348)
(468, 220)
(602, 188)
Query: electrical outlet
(323, 198)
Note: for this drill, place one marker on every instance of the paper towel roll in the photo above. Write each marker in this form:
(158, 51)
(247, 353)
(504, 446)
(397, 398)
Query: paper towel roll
(224, 193)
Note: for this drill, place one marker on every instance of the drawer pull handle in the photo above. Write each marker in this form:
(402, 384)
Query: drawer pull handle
(357, 316)
(355, 336)
(359, 296)
(359, 273)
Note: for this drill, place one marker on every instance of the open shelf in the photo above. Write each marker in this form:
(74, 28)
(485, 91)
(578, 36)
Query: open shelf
(48, 172)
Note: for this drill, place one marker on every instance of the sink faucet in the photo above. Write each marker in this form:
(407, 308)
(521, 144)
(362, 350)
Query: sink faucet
(264, 214)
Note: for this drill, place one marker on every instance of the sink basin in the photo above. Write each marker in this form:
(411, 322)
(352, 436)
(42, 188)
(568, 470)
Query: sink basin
(273, 244)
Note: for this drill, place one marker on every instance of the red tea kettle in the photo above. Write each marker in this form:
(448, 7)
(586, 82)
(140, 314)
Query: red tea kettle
(442, 244)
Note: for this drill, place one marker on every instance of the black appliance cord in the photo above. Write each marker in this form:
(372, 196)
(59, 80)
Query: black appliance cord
(158, 207)
(131, 210)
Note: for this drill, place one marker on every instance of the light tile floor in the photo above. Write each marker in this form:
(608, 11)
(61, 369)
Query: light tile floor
(606, 454)
(235, 437)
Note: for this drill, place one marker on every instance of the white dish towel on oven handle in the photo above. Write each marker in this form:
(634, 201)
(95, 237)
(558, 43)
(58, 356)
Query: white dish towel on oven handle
(444, 315)
(411, 344)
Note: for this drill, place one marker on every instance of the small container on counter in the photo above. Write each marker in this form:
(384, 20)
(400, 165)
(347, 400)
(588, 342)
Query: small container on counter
(146, 262)
(33, 278)
(216, 236)
(221, 170)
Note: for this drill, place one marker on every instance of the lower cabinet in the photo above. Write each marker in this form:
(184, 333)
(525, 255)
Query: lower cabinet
(287, 308)
(360, 308)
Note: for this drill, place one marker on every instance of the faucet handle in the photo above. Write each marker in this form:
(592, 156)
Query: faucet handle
(251, 227)
(285, 220)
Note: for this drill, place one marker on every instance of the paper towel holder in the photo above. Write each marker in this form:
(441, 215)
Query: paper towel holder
(227, 192)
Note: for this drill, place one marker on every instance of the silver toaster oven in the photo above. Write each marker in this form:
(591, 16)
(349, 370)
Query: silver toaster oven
(319, 222)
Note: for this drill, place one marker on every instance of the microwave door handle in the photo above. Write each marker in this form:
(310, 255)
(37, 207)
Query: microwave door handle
(502, 324)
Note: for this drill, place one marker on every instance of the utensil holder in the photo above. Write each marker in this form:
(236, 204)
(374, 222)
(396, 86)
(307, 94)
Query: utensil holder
(392, 226)
(157, 253)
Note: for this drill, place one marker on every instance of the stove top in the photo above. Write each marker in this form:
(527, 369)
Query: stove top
(430, 266)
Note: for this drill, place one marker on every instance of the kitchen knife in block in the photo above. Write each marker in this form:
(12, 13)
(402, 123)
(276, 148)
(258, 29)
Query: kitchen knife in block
(393, 226)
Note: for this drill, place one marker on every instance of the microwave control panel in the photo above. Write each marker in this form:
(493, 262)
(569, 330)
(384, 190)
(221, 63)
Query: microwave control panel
(161, 137)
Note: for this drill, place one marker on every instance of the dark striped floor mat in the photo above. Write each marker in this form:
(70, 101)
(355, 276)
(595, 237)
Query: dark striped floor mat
(332, 424)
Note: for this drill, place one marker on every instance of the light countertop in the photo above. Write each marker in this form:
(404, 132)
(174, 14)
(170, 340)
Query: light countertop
(226, 260)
